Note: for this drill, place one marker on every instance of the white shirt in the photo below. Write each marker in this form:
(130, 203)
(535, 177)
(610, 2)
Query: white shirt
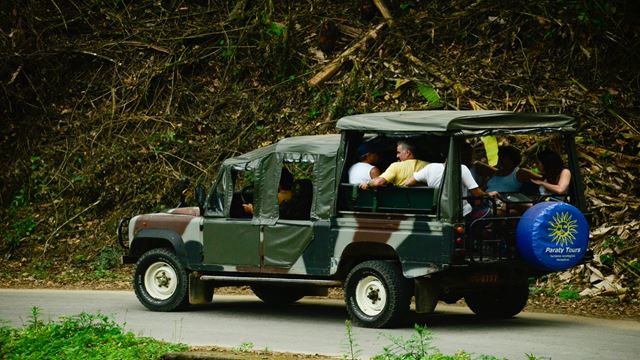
(432, 176)
(360, 173)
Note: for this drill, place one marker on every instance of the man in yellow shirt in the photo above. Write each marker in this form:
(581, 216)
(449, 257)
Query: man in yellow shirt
(398, 172)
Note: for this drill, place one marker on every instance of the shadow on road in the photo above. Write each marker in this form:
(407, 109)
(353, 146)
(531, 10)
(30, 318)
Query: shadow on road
(331, 311)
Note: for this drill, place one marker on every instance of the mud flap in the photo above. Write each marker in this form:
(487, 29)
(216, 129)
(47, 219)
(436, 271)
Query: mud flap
(427, 294)
(200, 292)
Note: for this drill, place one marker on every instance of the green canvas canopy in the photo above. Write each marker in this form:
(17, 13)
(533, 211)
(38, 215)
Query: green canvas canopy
(266, 162)
(467, 122)
(313, 144)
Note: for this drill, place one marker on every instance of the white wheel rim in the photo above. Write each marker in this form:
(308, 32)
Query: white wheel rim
(371, 296)
(160, 280)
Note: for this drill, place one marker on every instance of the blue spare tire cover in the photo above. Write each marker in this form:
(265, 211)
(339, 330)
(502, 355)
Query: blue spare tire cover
(552, 235)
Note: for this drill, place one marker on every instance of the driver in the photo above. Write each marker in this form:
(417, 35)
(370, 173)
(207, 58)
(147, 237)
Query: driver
(284, 190)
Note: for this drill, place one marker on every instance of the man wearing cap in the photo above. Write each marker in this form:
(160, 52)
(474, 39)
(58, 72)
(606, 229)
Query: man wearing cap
(399, 171)
(366, 169)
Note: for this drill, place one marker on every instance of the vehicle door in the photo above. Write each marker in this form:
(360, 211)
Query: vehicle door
(230, 236)
(285, 240)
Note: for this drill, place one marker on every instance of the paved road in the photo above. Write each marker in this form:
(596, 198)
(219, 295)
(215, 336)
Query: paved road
(317, 326)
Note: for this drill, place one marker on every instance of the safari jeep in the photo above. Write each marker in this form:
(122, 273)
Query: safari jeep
(385, 246)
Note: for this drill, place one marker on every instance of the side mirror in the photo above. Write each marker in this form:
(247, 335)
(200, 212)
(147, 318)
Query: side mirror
(201, 197)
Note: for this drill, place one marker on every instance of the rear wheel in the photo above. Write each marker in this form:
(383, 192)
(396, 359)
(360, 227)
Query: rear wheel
(501, 303)
(278, 295)
(377, 294)
(160, 281)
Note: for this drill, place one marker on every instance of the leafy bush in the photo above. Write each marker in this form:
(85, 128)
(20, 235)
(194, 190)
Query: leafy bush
(83, 336)
(20, 229)
(107, 259)
(420, 347)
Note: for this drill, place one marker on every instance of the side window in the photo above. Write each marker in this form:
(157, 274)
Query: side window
(296, 196)
(243, 191)
(216, 198)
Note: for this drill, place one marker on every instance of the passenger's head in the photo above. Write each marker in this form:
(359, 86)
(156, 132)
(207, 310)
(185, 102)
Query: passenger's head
(508, 158)
(368, 153)
(466, 154)
(551, 165)
(405, 150)
(286, 179)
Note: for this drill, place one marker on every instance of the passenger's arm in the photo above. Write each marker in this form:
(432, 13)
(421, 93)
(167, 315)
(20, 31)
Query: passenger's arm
(374, 172)
(526, 175)
(374, 183)
(410, 181)
(248, 208)
(477, 192)
(562, 185)
(484, 170)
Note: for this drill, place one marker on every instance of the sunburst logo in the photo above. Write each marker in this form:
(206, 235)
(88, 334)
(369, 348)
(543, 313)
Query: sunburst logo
(563, 229)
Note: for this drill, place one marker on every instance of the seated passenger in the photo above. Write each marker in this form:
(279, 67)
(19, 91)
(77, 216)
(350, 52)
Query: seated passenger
(507, 176)
(366, 169)
(284, 190)
(556, 176)
(431, 175)
(398, 172)
(299, 206)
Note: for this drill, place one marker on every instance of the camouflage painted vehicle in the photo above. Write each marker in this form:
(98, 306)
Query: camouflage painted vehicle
(384, 247)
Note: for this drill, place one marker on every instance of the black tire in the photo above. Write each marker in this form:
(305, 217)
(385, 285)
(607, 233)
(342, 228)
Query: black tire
(501, 303)
(278, 295)
(377, 294)
(160, 281)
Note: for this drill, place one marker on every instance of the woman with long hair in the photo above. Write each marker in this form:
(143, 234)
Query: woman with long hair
(556, 176)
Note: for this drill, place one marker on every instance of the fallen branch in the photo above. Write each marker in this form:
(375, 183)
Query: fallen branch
(408, 53)
(623, 160)
(46, 243)
(333, 67)
(386, 14)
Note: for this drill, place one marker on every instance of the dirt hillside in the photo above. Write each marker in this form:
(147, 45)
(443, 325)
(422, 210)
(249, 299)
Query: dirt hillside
(105, 106)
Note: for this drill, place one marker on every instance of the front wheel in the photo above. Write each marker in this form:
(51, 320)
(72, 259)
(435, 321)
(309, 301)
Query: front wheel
(377, 294)
(501, 303)
(160, 281)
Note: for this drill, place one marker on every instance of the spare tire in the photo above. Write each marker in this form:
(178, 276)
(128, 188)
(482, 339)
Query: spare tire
(552, 236)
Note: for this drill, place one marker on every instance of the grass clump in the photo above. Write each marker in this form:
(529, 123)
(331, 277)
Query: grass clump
(83, 336)
(420, 347)
(569, 293)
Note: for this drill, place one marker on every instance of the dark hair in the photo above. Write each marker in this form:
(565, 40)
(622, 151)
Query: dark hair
(552, 163)
(286, 179)
(466, 154)
(366, 148)
(511, 152)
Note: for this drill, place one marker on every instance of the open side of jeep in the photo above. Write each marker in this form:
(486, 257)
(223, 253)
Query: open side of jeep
(383, 246)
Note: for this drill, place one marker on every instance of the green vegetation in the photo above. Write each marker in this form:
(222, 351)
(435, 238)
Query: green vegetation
(246, 346)
(353, 351)
(96, 336)
(418, 347)
(108, 258)
(20, 229)
(612, 245)
(83, 336)
(430, 94)
(568, 293)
